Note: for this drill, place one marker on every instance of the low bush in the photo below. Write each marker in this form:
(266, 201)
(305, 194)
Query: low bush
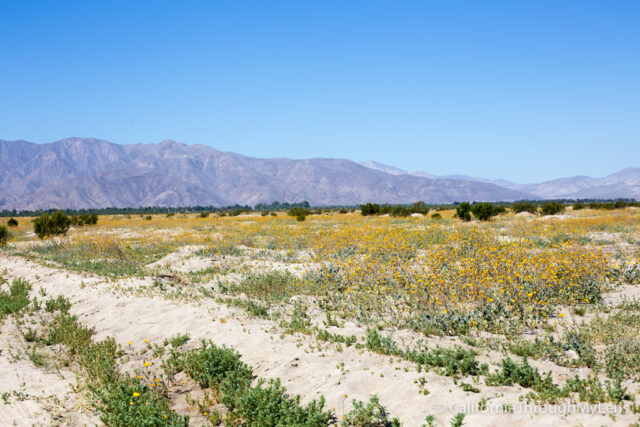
(16, 299)
(551, 208)
(484, 211)
(12, 222)
(84, 219)
(300, 213)
(51, 225)
(4, 235)
(463, 211)
(524, 206)
(369, 209)
(264, 404)
(372, 414)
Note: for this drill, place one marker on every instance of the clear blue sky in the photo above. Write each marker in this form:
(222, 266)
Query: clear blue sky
(521, 90)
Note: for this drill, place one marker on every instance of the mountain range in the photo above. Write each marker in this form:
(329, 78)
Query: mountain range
(624, 184)
(81, 173)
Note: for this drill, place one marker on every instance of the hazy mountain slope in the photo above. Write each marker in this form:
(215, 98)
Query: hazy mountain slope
(84, 173)
(622, 184)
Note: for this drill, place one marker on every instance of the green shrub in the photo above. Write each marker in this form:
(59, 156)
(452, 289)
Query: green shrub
(299, 213)
(484, 211)
(147, 408)
(373, 414)
(271, 285)
(51, 225)
(369, 209)
(463, 211)
(551, 208)
(524, 206)
(84, 219)
(16, 299)
(458, 419)
(12, 222)
(436, 216)
(267, 404)
(4, 235)
(622, 359)
(60, 304)
(209, 364)
(203, 214)
(578, 205)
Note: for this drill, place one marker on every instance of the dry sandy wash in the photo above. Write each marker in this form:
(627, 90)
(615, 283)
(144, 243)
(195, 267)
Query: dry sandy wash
(50, 397)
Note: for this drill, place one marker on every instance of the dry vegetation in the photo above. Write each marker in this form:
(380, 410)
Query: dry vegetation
(371, 321)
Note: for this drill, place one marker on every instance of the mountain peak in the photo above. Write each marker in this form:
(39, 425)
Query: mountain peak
(91, 173)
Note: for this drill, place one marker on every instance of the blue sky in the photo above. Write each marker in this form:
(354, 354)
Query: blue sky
(521, 90)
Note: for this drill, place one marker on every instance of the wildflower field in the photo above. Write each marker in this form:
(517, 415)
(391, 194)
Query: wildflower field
(521, 308)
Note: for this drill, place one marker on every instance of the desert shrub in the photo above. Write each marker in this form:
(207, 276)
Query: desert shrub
(299, 213)
(372, 414)
(484, 211)
(419, 207)
(524, 206)
(273, 285)
(147, 408)
(448, 361)
(400, 211)
(65, 329)
(209, 364)
(622, 359)
(267, 404)
(148, 218)
(463, 211)
(60, 304)
(551, 208)
(436, 216)
(12, 222)
(16, 299)
(369, 209)
(51, 225)
(84, 219)
(382, 345)
(4, 235)
(203, 214)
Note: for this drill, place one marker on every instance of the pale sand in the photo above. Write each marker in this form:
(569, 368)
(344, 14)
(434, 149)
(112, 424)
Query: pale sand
(310, 374)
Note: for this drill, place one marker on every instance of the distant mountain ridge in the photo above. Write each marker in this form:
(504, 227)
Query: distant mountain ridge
(81, 173)
(624, 184)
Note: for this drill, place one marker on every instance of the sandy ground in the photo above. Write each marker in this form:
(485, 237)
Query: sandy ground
(338, 375)
(37, 396)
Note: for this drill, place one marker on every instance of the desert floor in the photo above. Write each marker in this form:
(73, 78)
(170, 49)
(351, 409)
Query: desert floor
(422, 313)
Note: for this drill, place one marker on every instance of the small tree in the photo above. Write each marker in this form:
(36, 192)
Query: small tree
(420, 207)
(463, 211)
(484, 211)
(369, 209)
(84, 219)
(4, 235)
(551, 208)
(577, 206)
(524, 206)
(51, 225)
(12, 222)
(299, 213)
